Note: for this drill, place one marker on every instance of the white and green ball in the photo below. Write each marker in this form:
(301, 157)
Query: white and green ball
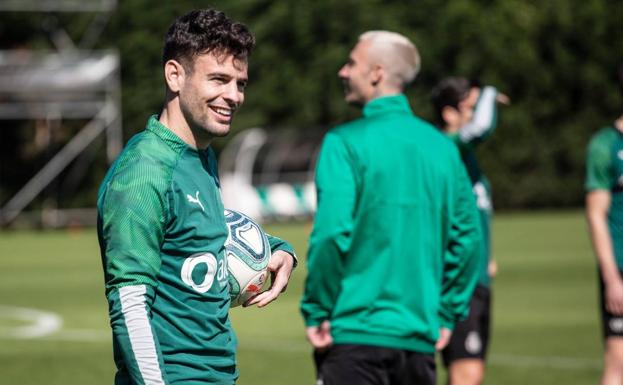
(247, 251)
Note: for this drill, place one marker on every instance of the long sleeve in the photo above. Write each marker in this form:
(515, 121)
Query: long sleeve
(484, 121)
(331, 236)
(279, 244)
(461, 262)
(132, 214)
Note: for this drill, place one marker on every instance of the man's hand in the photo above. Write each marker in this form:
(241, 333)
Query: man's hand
(503, 99)
(320, 336)
(280, 267)
(614, 297)
(444, 338)
(492, 268)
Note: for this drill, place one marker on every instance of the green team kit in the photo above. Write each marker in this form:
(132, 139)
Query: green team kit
(161, 229)
(480, 127)
(604, 171)
(471, 337)
(388, 261)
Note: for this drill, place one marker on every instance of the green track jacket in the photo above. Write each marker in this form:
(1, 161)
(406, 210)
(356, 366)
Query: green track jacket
(391, 256)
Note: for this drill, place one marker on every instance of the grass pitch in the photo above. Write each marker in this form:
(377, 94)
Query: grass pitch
(545, 325)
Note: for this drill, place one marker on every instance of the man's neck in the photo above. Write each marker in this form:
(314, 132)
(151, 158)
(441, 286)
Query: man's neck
(383, 90)
(451, 130)
(173, 118)
(381, 93)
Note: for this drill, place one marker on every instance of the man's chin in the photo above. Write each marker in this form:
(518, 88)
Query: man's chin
(352, 101)
(212, 131)
(221, 132)
(220, 129)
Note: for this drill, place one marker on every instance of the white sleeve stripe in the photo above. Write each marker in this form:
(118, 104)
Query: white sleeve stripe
(483, 116)
(139, 330)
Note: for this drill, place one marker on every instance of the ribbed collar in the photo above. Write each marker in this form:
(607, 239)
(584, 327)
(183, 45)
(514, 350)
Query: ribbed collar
(168, 136)
(387, 104)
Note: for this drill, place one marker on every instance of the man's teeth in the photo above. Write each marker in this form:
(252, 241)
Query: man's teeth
(222, 111)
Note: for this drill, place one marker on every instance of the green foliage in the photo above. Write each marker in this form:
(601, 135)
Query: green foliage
(556, 60)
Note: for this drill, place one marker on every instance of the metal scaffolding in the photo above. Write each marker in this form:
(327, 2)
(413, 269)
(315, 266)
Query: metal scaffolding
(69, 83)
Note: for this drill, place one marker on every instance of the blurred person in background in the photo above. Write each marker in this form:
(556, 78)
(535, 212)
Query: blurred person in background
(390, 262)
(604, 212)
(467, 113)
(161, 225)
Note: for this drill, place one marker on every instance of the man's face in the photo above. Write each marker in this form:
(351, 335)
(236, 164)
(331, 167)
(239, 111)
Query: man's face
(212, 93)
(357, 75)
(467, 105)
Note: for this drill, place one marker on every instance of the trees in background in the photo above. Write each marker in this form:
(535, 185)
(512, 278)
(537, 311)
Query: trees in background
(557, 60)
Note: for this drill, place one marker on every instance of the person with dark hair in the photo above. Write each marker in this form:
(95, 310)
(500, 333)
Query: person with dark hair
(161, 224)
(467, 113)
(604, 213)
(390, 266)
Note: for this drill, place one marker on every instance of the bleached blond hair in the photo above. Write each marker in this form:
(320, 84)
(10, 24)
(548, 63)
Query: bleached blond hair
(396, 53)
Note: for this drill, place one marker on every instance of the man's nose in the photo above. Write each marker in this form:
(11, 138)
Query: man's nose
(234, 93)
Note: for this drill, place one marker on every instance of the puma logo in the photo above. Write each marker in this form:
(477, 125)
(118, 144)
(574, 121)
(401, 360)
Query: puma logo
(195, 199)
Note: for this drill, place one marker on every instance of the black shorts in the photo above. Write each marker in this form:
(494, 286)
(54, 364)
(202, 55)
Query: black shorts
(611, 325)
(373, 365)
(470, 338)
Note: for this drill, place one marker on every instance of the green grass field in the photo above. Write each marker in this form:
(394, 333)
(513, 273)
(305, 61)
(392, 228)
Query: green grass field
(545, 327)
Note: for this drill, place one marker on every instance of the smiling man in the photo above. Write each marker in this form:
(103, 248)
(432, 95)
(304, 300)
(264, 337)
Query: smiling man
(161, 225)
(390, 262)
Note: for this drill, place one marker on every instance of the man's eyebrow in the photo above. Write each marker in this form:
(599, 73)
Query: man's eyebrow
(225, 75)
(218, 73)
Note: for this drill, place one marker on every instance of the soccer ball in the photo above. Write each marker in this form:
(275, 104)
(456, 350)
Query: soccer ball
(247, 252)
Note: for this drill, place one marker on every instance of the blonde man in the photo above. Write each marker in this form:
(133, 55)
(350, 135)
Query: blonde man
(390, 267)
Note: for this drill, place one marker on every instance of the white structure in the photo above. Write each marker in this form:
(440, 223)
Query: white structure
(270, 176)
(71, 82)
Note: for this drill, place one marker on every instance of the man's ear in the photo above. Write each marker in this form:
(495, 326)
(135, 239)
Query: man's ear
(174, 75)
(378, 73)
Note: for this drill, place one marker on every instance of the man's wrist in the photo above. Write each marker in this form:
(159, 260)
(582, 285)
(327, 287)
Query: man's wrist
(295, 261)
(611, 279)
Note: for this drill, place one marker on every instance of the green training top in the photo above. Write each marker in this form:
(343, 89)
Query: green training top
(161, 229)
(472, 134)
(604, 171)
(390, 255)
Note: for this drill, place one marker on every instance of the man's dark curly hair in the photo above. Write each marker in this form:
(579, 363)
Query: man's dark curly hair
(206, 31)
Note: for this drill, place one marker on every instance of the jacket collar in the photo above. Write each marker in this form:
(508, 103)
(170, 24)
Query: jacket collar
(387, 104)
(164, 133)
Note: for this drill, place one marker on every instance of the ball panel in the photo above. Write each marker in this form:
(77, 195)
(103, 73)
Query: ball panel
(250, 237)
(247, 253)
(243, 256)
(253, 288)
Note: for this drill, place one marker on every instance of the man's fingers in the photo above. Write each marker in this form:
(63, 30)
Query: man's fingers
(280, 271)
(319, 338)
(258, 298)
(503, 99)
(279, 283)
(614, 305)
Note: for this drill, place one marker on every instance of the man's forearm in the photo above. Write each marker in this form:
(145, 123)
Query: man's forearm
(597, 205)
